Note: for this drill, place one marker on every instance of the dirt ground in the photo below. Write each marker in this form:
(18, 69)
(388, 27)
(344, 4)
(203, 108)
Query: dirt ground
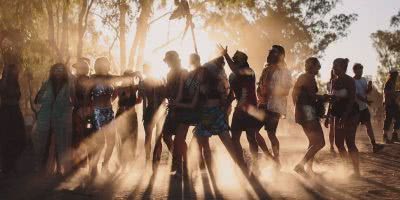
(135, 180)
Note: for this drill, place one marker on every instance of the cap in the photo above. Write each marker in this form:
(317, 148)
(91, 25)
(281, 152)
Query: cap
(240, 55)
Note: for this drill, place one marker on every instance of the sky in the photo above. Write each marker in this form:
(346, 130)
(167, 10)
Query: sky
(357, 46)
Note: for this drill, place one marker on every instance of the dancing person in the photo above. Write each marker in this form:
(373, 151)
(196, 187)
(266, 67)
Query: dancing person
(186, 107)
(103, 92)
(363, 87)
(273, 88)
(308, 112)
(127, 99)
(54, 118)
(392, 112)
(243, 83)
(81, 112)
(12, 129)
(171, 92)
(346, 113)
(329, 120)
(214, 92)
(151, 91)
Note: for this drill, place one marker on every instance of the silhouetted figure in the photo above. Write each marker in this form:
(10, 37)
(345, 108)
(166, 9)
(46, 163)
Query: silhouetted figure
(363, 87)
(127, 99)
(346, 113)
(102, 93)
(243, 83)
(329, 120)
(273, 89)
(151, 91)
(171, 91)
(391, 107)
(308, 111)
(186, 108)
(12, 129)
(82, 108)
(54, 118)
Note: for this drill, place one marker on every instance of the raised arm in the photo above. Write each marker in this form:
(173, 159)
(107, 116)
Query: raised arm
(231, 64)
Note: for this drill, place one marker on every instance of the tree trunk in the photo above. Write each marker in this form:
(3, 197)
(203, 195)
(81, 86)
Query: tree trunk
(65, 26)
(80, 28)
(82, 25)
(51, 33)
(142, 28)
(123, 8)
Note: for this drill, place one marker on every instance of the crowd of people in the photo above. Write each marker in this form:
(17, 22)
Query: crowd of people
(75, 108)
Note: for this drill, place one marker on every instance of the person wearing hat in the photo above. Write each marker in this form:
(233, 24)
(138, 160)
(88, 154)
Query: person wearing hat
(391, 107)
(171, 92)
(243, 83)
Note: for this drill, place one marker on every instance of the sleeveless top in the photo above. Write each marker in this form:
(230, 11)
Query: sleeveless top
(101, 87)
(341, 90)
(244, 86)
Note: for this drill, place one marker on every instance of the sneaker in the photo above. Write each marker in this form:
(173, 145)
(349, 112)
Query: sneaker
(377, 147)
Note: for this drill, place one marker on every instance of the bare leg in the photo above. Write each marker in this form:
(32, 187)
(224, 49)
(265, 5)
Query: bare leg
(315, 137)
(263, 145)
(332, 134)
(238, 147)
(148, 129)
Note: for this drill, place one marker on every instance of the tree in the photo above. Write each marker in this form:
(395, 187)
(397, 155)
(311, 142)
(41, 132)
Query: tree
(304, 27)
(387, 45)
(86, 5)
(142, 27)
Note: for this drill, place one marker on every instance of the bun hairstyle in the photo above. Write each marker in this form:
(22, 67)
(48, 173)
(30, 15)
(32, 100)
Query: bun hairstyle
(341, 62)
(274, 53)
(310, 63)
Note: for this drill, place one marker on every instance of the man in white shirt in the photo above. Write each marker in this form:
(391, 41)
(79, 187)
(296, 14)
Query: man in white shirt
(363, 87)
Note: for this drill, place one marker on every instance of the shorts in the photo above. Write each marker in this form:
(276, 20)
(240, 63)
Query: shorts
(187, 116)
(271, 120)
(365, 116)
(170, 124)
(213, 121)
(242, 121)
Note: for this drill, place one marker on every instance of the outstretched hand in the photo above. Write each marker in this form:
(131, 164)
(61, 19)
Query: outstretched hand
(223, 51)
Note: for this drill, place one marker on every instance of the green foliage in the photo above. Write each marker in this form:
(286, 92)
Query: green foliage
(387, 45)
(304, 27)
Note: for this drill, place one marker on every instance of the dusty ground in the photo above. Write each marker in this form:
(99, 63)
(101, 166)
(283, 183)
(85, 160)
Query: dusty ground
(381, 178)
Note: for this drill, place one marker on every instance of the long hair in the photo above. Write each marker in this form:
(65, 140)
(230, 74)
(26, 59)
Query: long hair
(310, 63)
(274, 54)
(342, 63)
(52, 77)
